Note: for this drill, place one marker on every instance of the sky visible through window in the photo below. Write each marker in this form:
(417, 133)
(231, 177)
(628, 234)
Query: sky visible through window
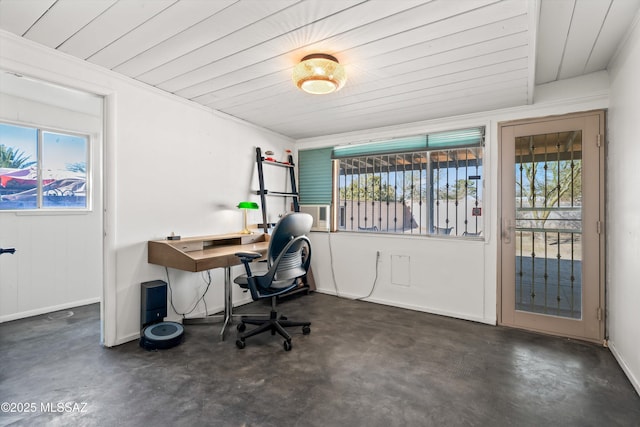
(60, 150)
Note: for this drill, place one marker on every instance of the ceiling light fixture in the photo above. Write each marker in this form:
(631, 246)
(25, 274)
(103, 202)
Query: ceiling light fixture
(319, 74)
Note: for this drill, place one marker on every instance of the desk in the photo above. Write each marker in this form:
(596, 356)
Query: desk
(204, 253)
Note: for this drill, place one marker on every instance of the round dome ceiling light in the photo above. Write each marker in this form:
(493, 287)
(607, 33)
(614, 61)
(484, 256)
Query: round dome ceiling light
(319, 74)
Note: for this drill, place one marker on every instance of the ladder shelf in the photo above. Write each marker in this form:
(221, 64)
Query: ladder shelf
(263, 192)
(307, 283)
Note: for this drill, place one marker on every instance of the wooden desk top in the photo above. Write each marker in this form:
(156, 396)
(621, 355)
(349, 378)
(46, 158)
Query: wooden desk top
(205, 252)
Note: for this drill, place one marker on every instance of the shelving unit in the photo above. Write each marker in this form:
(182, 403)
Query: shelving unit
(261, 161)
(308, 283)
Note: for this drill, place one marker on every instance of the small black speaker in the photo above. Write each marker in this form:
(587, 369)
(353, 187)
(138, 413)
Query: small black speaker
(153, 302)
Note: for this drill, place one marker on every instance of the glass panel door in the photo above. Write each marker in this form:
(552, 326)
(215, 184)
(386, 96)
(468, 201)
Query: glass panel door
(552, 211)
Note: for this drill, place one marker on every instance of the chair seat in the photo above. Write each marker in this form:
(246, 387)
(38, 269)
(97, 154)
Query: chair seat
(257, 268)
(243, 282)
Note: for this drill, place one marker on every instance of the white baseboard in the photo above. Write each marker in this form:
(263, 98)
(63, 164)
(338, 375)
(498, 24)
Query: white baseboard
(413, 307)
(623, 364)
(126, 339)
(45, 310)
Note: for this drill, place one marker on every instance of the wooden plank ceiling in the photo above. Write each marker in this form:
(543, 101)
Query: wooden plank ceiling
(406, 60)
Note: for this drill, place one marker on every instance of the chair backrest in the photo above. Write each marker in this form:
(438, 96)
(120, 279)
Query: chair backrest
(289, 236)
(290, 226)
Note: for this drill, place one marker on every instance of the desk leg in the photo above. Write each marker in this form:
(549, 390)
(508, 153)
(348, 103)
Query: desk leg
(227, 315)
(228, 302)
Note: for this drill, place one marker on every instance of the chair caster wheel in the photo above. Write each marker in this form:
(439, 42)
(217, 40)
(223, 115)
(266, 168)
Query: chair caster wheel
(241, 327)
(287, 346)
(240, 344)
(306, 330)
(283, 317)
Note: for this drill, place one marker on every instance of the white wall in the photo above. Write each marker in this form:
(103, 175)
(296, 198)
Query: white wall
(623, 211)
(418, 273)
(453, 277)
(170, 166)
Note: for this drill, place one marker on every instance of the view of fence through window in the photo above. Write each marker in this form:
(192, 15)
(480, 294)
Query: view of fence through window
(42, 169)
(419, 192)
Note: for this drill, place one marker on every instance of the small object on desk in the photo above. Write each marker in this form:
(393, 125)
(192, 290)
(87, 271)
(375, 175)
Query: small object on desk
(244, 206)
(173, 237)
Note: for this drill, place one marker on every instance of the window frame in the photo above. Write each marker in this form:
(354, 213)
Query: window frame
(40, 208)
(472, 224)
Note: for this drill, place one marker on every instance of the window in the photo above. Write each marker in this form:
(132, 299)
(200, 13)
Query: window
(41, 169)
(431, 184)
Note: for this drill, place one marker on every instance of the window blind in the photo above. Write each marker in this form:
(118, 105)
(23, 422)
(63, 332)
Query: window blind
(456, 138)
(400, 145)
(437, 140)
(314, 176)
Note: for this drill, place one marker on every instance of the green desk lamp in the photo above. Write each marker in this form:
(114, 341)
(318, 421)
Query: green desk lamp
(245, 206)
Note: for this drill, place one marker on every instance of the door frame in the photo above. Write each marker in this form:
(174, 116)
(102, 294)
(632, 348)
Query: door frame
(601, 114)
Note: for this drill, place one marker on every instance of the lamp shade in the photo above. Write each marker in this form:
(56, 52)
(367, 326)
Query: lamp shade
(248, 205)
(319, 74)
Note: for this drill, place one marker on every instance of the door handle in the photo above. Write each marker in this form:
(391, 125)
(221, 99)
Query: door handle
(7, 251)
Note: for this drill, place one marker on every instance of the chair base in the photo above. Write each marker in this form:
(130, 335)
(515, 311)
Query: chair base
(272, 324)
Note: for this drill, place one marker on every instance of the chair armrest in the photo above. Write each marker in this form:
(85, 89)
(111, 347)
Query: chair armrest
(246, 258)
(250, 256)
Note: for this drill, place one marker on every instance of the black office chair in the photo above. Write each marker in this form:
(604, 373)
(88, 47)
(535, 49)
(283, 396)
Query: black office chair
(288, 259)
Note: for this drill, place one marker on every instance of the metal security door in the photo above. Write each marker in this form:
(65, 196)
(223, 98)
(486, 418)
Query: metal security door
(552, 214)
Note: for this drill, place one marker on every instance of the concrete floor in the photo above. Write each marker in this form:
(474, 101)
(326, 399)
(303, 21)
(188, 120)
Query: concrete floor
(362, 365)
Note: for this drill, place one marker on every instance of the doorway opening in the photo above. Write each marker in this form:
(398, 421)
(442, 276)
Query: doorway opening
(51, 198)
